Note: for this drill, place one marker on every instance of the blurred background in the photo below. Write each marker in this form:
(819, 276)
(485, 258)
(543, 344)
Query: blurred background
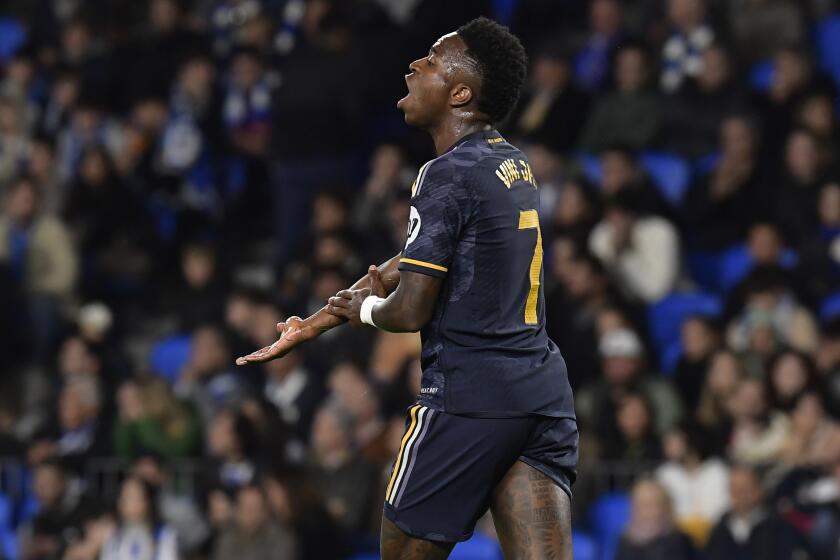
(179, 175)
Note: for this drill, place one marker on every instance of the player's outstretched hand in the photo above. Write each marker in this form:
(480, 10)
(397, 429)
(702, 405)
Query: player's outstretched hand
(292, 332)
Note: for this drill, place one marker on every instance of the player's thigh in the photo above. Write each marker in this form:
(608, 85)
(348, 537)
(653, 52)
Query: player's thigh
(394, 544)
(532, 514)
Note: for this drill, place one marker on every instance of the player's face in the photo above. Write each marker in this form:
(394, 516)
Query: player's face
(430, 82)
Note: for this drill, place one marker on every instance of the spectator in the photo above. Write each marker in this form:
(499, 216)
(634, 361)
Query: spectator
(345, 478)
(759, 27)
(631, 114)
(712, 411)
(13, 140)
(651, 532)
(641, 251)
(232, 447)
(792, 374)
(253, 535)
(78, 432)
(682, 54)
(200, 295)
(758, 433)
(294, 391)
(552, 110)
(696, 482)
(695, 112)
(750, 530)
(295, 501)
(637, 440)
(814, 438)
(620, 171)
(38, 250)
(61, 511)
(594, 59)
(177, 510)
(771, 316)
(206, 380)
(623, 368)
(153, 421)
(139, 531)
(699, 341)
(799, 186)
(720, 207)
(108, 225)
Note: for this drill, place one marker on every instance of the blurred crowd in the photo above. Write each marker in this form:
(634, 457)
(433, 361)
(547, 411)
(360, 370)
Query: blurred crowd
(178, 176)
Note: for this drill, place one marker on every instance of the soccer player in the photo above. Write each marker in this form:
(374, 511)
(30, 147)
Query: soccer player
(494, 425)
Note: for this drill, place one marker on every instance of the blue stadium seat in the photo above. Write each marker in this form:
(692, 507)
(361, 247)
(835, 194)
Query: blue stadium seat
(828, 44)
(170, 355)
(8, 542)
(479, 547)
(706, 164)
(670, 173)
(584, 547)
(761, 75)
(830, 307)
(590, 165)
(608, 517)
(669, 357)
(12, 36)
(703, 269)
(28, 509)
(735, 263)
(666, 316)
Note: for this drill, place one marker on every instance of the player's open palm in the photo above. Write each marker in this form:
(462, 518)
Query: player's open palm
(292, 332)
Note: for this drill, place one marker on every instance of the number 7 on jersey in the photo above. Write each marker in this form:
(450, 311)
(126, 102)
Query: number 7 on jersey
(529, 219)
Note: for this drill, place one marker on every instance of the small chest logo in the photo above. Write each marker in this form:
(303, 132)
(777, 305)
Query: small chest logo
(413, 226)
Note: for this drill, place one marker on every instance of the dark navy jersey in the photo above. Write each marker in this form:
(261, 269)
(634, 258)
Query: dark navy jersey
(473, 223)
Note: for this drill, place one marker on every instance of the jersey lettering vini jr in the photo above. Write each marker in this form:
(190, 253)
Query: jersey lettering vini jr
(473, 223)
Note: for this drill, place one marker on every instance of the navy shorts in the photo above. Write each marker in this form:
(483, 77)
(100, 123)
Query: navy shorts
(449, 465)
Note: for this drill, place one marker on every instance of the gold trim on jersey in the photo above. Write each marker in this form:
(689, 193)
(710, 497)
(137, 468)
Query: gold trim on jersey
(425, 264)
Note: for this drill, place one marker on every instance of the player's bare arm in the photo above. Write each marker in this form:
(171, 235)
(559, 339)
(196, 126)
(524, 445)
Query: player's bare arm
(407, 309)
(381, 280)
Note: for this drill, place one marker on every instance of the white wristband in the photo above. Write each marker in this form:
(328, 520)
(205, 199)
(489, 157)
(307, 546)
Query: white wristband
(366, 312)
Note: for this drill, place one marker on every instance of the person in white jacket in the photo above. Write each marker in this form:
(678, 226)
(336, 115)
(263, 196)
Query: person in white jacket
(641, 251)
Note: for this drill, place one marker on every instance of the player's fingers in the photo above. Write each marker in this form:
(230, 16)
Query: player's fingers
(346, 294)
(281, 327)
(337, 311)
(339, 302)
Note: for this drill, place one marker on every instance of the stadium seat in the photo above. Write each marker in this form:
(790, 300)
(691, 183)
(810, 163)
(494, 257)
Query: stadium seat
(670, 173)
(584, 547)
(828, 44)
(590, 165)
(169, 355)
(706, 164)
(28, 509)
(8, 542)
(830, 307)
(479, 547)
(666, 316)
(703, 269)
(12, 36)
(669, 357)
(608, 517)
(735, 263)
(761, 75)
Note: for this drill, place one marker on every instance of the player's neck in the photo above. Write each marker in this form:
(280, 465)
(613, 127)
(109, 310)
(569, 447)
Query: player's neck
(453, 129)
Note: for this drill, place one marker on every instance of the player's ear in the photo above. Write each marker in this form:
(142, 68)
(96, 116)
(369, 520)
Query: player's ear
(461, 95)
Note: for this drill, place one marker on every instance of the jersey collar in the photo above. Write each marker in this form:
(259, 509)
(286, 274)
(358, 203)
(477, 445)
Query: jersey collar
(485, 134)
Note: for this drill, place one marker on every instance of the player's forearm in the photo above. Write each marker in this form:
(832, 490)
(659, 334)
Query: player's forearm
(321, 321)
(411, 305)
